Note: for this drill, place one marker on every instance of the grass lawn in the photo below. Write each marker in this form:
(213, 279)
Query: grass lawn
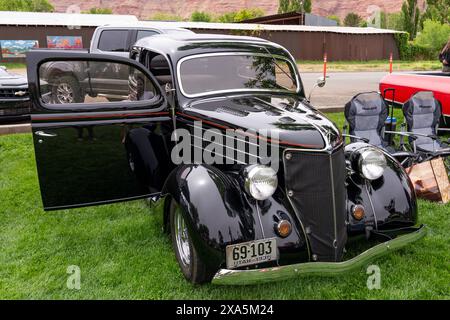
(123, 253)
(375, 65)
(13, 65)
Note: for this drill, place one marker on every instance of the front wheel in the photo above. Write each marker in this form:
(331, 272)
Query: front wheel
(66, 90)
(193, 268)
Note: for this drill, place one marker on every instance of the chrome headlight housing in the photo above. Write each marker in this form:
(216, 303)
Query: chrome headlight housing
(260, 181)
(371, 163)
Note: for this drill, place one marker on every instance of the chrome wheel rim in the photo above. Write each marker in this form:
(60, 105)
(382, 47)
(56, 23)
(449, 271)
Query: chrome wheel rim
(64, 93)
(182, 238)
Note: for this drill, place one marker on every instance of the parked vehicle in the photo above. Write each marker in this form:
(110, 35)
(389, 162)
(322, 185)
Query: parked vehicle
(69, 80)
(408, 84)
(234, 220)
(14, 100)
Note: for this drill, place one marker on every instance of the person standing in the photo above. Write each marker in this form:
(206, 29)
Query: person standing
(444, 57)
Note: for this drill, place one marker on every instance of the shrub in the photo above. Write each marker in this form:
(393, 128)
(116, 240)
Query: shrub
(434, 36)
(410, 50)
(199, 16)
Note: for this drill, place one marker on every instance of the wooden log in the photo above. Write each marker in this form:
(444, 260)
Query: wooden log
(441, 175)
(430, 180)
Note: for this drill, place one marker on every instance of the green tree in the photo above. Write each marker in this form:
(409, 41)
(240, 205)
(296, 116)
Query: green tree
(241, 15)
(26, 5)
(41, 6)
(228, 17)
(394, 21)
(335, 18)
(99, 11)
(438, 10)
(285, 6)
(411, 16)
(352, 20)
(161, 16)
(433, 36)
(246, 14)
(200, 16)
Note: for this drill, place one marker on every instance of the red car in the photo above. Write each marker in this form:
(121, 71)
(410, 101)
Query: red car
(407, 84)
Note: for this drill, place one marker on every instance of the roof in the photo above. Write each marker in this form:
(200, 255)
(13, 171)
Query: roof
(145, 24)
(271, 27)
(176, 40)
(62, 19)
(277, 16)
(180, 45)
(95, 20)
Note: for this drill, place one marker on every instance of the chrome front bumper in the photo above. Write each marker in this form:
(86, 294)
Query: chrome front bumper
(256, 276)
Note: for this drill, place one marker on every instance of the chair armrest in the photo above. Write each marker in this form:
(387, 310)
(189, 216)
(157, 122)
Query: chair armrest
(413, 136)
(356, 137)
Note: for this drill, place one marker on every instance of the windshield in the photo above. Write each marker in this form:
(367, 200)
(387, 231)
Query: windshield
(230, 72)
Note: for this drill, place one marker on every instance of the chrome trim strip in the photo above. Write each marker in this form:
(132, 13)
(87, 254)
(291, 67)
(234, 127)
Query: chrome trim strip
(371, 203)
(334, 204)
(257, 276)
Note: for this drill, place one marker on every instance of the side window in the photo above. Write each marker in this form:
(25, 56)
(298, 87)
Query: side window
(145, 33)
(81, 82)
(113, 40)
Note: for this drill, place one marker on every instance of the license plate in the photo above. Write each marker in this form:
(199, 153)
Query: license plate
(252, 252)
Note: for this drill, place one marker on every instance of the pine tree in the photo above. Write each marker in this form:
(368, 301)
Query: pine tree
(294, 5)
(411, 15)
(283, 6)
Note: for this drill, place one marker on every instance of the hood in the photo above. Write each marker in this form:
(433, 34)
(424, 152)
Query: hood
(293, 120)
(12, 80)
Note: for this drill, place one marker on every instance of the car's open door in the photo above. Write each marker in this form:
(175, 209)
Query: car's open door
(81, 131)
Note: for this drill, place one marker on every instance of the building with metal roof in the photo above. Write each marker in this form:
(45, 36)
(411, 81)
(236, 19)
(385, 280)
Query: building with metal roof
(16, 18)
(303, 41)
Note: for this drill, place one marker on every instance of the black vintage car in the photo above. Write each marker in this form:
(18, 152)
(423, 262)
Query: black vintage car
(14, 100)
(237, 214)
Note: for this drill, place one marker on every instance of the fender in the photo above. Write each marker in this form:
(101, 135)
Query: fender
(62, 68)
(218, 213)
(390, 201)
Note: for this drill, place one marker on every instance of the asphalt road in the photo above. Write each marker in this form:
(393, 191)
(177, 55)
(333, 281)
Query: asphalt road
(340, 87)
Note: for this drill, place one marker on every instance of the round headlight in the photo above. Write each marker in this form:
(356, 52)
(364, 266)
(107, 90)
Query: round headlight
(372, 163)
(260, 181)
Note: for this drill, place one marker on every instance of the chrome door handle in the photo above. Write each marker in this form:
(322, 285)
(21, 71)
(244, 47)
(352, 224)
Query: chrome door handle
(45, 134)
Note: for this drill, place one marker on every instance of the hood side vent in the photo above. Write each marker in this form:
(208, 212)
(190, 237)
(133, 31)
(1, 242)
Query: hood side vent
(234, 112)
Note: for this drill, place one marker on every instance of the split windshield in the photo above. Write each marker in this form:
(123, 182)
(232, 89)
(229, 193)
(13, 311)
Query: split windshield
(236, 72)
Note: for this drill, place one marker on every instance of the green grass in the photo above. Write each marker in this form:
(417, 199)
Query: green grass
(13, 65)
(123, 253)
(373, 65)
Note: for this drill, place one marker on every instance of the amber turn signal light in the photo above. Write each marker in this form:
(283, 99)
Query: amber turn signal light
(358, 212)
(284, 228)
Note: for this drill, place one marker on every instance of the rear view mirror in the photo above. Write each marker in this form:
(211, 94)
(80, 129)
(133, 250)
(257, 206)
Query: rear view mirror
(321, 81)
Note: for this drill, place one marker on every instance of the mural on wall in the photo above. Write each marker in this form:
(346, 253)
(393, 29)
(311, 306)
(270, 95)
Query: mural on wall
(17, 48)
(65, 42)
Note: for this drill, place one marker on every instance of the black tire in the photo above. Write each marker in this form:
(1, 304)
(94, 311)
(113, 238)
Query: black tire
(72, 88)
(195, 271)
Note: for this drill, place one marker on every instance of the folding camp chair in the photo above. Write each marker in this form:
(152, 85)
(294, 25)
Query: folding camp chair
(366, 115)
(422, 113)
